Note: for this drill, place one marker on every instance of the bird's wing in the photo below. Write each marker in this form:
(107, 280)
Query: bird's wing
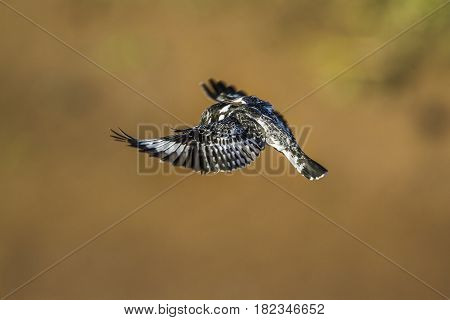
(221, 92)
(220, 146)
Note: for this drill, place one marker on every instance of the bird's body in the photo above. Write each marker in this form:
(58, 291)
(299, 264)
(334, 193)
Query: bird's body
(231, 134)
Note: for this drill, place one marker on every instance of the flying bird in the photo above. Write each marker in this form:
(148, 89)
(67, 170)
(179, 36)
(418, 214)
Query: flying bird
(232, 133)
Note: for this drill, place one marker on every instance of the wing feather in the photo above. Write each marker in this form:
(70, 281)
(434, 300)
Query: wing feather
(219, 146)
(219, 91)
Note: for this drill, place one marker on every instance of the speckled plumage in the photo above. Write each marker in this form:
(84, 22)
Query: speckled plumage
(231, 134)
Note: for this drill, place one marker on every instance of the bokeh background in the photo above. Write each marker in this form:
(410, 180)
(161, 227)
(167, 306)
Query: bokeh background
(382, 130)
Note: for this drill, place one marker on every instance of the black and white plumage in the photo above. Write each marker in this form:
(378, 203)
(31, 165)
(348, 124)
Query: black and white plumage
(231, 134)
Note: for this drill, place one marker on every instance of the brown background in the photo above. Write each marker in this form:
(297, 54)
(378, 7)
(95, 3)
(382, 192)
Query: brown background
(382, 130)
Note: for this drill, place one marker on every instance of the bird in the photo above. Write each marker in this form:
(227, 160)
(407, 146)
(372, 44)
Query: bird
(231, 134)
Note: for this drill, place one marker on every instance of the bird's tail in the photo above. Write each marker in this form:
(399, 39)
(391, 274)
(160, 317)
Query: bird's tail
(310, 169)
(306, 166)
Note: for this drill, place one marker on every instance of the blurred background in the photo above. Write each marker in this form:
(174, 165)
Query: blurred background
(382, 130)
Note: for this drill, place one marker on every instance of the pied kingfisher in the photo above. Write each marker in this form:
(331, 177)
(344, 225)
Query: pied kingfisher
(231, 134)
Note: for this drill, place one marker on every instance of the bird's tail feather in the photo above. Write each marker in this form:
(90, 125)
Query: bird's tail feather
(311, 169)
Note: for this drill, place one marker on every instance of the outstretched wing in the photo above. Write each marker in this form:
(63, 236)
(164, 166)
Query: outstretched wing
(220, 146)
(221, 92)
(228, 99)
